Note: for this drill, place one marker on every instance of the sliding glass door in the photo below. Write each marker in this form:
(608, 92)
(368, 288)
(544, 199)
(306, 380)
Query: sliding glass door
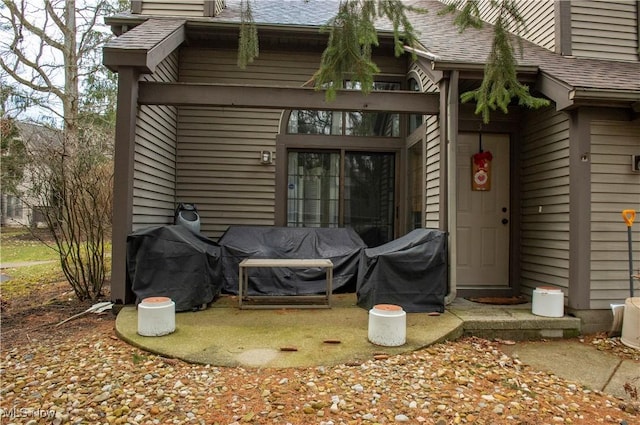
(343, 188)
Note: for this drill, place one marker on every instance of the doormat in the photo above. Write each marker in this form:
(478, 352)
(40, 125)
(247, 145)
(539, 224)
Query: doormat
(499, 300)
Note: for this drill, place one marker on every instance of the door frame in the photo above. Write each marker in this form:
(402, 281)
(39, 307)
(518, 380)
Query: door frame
(284, 142)
(511, 130)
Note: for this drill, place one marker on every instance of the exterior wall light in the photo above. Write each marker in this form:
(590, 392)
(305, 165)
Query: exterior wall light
(635, 163)
(266, 157)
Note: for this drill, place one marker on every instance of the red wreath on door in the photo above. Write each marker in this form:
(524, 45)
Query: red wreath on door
(481, 170)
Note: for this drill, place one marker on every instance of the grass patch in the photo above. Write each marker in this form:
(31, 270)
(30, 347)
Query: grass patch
(25, 280)
(19, 245)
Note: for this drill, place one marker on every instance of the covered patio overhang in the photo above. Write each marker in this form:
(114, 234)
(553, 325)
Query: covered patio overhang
(142, 48)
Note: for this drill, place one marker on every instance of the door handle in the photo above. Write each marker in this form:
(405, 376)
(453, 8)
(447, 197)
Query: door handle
(505, 221)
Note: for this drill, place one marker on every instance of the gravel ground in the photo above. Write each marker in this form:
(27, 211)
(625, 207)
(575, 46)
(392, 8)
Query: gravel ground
(82, 373)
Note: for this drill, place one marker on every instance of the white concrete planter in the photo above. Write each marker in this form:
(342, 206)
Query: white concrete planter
(156, 316)
(387, 325)
(548, 302)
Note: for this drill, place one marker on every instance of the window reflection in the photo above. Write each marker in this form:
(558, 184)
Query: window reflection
(314, 122)
(313, 189)
(356, 123)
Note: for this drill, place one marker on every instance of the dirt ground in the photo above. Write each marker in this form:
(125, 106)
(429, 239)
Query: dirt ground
(35, 316)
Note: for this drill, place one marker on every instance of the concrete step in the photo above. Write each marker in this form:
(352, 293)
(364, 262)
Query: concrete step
(514, 322)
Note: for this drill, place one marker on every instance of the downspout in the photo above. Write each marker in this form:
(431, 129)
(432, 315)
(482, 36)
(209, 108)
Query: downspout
(451, 95)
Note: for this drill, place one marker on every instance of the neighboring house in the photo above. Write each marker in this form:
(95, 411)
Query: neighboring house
(257, 147)
(18, 208)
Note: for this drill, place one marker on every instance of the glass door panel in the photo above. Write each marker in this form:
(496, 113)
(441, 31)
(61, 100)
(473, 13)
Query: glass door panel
(369, 195)
(313, 187)
(366, 203)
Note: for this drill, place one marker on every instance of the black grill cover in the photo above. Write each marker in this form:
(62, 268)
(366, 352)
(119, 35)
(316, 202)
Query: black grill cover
(410, 272)
(172, 261)
(340, 245)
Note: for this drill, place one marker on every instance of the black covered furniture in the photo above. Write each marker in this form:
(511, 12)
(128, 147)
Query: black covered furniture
(173, 261)
(340, 245)
(410, 272)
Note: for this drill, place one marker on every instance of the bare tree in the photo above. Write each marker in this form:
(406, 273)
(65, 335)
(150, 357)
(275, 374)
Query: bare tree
(49, 48)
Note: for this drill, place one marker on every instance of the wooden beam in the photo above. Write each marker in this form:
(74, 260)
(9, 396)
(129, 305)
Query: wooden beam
(123, 182)
(239, 96)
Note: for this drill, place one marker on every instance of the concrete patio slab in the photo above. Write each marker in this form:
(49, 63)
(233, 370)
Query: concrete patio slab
(223, 335)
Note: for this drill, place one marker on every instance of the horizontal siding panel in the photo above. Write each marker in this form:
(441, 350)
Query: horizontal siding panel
(154, 174)
(549, 279)
(433, 207)
(547, 226)
(560, 269)
(546, 244)
(154, 157)
(146, 200)
(173, 8)
(584, 35)
(150, 186)
(544, 201)
(605, 29)
(533, 237)
(544, 179)
(538, 15)
(613, 188)
(562, 181)
(555, 254)
(623, 178)
(218, 151)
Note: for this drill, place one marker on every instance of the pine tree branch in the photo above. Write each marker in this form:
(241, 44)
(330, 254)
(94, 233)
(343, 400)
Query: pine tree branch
(500, 82)
(248, 48)
(352, 36)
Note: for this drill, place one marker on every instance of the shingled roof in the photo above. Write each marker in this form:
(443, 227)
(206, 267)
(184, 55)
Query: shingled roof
(446, 47)
(450, 48)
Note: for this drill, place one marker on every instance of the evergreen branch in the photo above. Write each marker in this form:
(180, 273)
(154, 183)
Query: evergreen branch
(248, 40)
(500, 83)
(352, 36)
(469, 16)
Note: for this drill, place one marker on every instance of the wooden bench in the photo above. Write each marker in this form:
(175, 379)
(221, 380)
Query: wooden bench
(285, 263)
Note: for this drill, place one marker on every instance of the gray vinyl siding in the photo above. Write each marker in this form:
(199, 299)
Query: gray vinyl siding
(545, 185)
(173, 8)
(432, 155)
(433, 167)
(605, 29)
(539, 19)
(219, 148)
(218, 157)
(538, 15)
(155, 153)
(432, 217)
(613, 188)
